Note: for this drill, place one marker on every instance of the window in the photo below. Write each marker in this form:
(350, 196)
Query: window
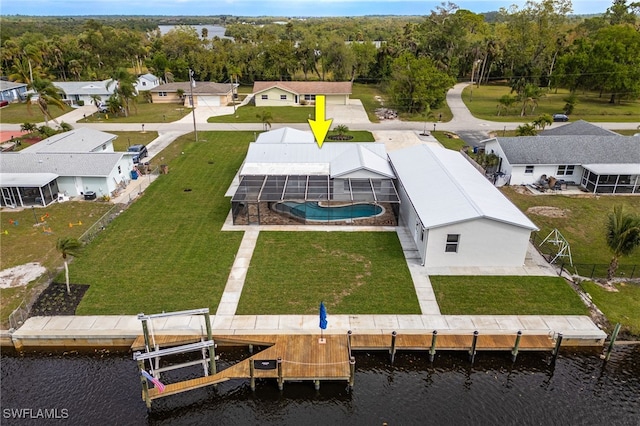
(119, 170)
(309, 97)
(565, 170)
(162, 94)
(264, 97)
(283, 97)
(452, 243)
(528, 170)
(144, 83)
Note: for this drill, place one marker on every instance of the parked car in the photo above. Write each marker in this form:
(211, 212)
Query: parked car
(560, 117)
(140, 150)
(103, 108)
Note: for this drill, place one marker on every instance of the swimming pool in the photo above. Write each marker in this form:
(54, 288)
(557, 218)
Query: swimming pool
(314, 212)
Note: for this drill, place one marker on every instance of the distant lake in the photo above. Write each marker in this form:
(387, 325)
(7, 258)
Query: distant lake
(214, 30)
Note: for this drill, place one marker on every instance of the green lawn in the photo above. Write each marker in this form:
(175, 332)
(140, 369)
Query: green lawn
(367, 94)
(142, 113)
(284, 114)
(622, 306)
(18, 113)
(506, 295)
(590, 106)
(583, 225)
(449, 140)
(352, 272)
(126, 139)
(166, 252)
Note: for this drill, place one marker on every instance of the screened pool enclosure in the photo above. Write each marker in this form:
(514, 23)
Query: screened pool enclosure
(312, 199)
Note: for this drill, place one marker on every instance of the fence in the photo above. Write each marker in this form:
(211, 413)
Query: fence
(587, 270)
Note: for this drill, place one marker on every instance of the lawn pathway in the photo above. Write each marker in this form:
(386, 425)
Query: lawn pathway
(235, 282)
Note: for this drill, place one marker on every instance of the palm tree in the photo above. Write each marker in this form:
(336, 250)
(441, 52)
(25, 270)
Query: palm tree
(341, 130)
(97, 100)
(266, 118)
(526, 130)
(47, 94)
(68, 246)
(542, 121)
(623, 236)
(125, 88)
(28, 127)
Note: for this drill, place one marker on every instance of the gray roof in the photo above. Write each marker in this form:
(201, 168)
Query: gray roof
(577, 128)
(8, 85)
(286, 135)
(571, 149)
(97, 164)
(82, 139)
(86, 88)
(201, 88)
(334, 158)
(445, 188)
(29, 180)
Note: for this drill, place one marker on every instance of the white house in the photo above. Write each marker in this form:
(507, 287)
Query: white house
(75, 91)
(456, 217)
(597, 163)
(290, 93)
(287, 179)
(205, 93)
(73, 162)
(12, 92)
(146, 82)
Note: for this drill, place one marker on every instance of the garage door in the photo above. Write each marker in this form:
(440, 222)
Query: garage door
(209, 101)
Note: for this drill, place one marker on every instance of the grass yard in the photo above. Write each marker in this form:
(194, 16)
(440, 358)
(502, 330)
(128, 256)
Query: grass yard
(126, 139)
(166, 252)
(142, 113)
(352, 272)
(583, 224)
(622, 306)
(358, 136)
(24, 242)
(590, 106)
(18, 113)
(449, 140)
(283, 114)
(367, 94)
(506, 295)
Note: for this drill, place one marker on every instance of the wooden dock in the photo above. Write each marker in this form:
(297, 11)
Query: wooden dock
(296, 357)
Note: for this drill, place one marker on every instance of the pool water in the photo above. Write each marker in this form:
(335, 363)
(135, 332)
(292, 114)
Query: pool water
(314, 211)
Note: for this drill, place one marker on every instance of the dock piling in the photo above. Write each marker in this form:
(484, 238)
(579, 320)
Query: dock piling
(393, 346)
(352, 372)
(349, 333)
(145, 385)
(516, 346)
(316, 385)
(472, 352)
(614, 336)
(556, 350)
(432, 349)
(252, 377)
(280, 378)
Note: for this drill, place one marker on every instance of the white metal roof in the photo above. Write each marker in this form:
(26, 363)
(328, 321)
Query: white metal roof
(445, 189)
(283, 158)
(82, 139)
(29, 180)
(98, 164)
(613, 169)
(286, 135)
(86, 88)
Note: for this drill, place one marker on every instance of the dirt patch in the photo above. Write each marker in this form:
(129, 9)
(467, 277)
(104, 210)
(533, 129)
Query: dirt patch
(21, 275)
(54, 300)
(548, 211)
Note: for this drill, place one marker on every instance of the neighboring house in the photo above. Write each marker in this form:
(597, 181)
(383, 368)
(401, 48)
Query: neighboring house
(73, 163)
(285, 135)
(578, 128)
(289, 93)
(598, 164)
(456, 216)
(75, 91)
(12, 92)
(205, 93)
(146, 82)
(283, 182)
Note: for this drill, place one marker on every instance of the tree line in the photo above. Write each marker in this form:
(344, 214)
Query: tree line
(538, 46)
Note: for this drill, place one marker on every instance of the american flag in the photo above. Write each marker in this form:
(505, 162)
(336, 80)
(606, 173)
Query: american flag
(157, 383)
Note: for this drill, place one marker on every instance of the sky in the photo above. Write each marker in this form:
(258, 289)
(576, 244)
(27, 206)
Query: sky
(262, 7)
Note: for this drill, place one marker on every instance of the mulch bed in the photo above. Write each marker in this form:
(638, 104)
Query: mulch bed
(54, 300)
(340, 137)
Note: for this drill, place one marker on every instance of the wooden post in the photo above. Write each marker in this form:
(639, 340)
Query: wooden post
(393, 346)
(280, 378)
(250, 348)
(145, 385)
(556, 350)
(212, 349)
(432, 349)
(614, 336)
(472, 352)
(352, 372)
(349, 333)
(145, 333)
(251, 375)
(514, 352)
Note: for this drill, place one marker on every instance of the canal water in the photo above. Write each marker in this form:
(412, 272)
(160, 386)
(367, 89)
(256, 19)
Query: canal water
(104, 389)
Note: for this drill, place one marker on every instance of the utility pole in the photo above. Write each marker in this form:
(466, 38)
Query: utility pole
(193, 105)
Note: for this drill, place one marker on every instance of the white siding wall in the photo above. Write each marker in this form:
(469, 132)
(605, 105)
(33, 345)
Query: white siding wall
(409, 219)
(274, 98)
(494, 146)
(67, 184)
(483, 242)
(519, 177)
